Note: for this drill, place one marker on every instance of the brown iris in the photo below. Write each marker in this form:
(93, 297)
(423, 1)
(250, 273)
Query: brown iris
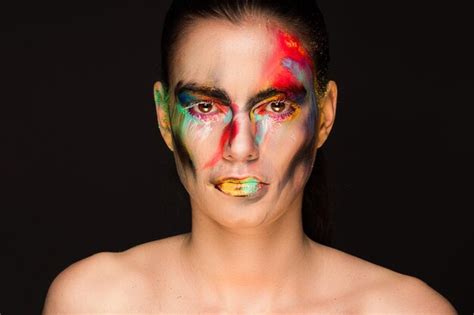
(205, 107)
(277, 107)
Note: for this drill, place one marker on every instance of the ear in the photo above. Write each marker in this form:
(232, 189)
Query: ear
(327, 112)
(162, 112)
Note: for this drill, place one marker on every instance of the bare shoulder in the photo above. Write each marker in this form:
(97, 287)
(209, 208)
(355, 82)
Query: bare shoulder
(373, 289)
(110, 282)
(406, 294)
(80, 287)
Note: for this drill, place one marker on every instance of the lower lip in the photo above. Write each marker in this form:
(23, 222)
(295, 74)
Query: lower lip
(247, 187)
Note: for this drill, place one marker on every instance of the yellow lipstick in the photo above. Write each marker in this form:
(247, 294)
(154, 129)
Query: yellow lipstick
(240, 187)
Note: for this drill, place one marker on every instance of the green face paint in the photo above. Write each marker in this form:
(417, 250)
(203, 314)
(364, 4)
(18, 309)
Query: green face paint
(161, 99)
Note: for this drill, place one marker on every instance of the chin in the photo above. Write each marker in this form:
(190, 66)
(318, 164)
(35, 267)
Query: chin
(240, 212)
(235, 216)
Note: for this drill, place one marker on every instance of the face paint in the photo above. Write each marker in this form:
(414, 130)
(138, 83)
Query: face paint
(268, 79)
(197, 115)
(230, 131)
(290, 70)
(277, 109)
(287, 70)
(161, 101)
(205, 125)
(291, 66)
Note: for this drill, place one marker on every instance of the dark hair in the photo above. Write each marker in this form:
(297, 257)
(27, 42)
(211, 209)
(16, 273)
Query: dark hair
(305, 18)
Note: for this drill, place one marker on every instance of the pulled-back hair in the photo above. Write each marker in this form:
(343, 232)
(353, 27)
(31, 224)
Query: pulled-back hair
(306, 20)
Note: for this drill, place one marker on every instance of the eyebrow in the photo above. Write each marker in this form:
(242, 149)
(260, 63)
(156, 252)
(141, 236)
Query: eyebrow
(216, 93)
(296, 92)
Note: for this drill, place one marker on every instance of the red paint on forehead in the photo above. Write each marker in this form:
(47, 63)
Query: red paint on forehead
(292, 48)
(288, 47)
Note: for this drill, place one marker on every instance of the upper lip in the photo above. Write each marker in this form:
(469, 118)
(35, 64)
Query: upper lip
(220, 180)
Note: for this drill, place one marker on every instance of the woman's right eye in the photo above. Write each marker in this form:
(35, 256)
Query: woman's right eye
(204, 107)
(205, 110)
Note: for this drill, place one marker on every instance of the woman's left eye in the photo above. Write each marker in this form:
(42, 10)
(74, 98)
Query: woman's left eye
(277, 106)
(278, 109)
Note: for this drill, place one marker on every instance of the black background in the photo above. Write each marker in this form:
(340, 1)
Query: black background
(85, 170)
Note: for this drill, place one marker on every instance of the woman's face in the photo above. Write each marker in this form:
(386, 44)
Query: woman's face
(243, 115)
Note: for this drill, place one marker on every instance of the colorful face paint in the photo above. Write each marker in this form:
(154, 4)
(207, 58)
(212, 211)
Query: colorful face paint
(301, 65)
(195, 115)
(161, 101)
(240, 187)
(230, 131)
(290, 65)
(276, 109)
(244, 130)
(290, 70)
(279, 116)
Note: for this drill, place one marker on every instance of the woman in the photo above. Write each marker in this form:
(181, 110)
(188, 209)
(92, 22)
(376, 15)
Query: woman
(244, 105)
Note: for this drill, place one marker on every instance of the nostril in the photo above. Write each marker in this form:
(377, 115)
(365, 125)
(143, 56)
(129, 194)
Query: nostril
(253, 156)
(242, 148)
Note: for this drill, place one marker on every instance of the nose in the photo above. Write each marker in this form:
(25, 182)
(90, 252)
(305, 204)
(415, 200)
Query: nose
(241, 145)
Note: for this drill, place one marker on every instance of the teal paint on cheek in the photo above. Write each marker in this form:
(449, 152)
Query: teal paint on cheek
(262, 127)
(183, 121)
(228, 117)
(179, 123)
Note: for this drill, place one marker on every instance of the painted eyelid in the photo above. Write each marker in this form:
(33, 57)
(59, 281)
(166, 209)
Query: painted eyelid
(196, 103)
(265, 103)
(214, 114)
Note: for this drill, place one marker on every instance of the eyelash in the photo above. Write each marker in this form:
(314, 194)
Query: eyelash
(288, 111)
(192, 109)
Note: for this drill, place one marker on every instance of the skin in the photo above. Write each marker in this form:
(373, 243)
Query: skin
(244, 157)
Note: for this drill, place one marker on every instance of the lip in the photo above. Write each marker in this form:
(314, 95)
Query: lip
(240, 186)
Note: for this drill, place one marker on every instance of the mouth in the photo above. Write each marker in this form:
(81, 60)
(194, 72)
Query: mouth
(243, 187)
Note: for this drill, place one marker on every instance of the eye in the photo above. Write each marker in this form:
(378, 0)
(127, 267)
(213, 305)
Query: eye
(205, 110)
(204, 107)
(278, 109)
(277, 106)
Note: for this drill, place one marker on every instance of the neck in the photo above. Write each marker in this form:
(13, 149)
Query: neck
(264, 263)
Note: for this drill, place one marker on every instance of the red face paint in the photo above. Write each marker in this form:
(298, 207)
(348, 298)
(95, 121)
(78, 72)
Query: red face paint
(282, 71)
(229, 134)
(289, 51)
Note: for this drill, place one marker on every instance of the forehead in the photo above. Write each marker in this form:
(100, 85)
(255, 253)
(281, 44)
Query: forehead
(234, 57)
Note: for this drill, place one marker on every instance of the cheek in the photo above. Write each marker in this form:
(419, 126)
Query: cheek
(288, 146)
(201, 140)
(284, 140)
(262, 127)
(295, 130)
